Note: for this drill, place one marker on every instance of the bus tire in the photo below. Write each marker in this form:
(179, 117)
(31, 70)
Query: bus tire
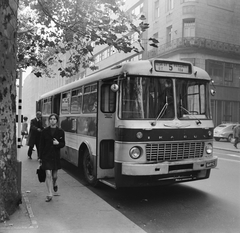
(88, 169)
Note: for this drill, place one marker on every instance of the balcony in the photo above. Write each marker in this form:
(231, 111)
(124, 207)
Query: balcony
(195, 44)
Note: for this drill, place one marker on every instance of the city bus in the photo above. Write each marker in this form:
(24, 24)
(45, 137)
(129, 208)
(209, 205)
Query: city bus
(141, 123)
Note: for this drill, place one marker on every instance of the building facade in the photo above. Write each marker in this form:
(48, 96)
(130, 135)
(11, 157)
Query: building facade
(205, 32)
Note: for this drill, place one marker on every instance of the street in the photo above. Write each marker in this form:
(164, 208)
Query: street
(205, 206)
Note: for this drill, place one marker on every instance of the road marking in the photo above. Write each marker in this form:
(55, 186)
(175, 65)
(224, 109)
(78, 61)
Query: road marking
(233, 155)
(231, 160)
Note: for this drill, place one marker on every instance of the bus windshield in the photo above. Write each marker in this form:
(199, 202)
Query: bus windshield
(147, 98)
(153, 98)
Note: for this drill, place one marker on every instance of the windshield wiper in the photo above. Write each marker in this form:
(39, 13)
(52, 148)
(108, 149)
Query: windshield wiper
(198, 122)
(164, 108)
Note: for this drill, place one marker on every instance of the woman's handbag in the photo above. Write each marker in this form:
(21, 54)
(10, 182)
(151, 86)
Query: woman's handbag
(41, 174)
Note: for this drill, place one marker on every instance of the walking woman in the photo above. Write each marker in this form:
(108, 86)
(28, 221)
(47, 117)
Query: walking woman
(52, 140)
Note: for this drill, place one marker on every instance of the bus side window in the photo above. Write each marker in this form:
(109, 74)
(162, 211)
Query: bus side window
(76, 101)
(65, 104)
(108, 99)
(90, 99)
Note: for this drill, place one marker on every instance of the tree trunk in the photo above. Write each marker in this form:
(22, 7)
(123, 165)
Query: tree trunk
(9, 195)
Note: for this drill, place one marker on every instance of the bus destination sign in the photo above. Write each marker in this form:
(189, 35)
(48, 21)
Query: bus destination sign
(172, 67)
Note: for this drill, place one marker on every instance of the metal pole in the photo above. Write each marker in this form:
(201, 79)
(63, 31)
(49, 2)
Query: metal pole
(19, 142)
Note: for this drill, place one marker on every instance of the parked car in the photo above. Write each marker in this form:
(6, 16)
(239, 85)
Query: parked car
(224, 131)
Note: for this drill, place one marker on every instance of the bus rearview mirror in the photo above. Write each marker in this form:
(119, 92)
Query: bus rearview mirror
(213, 92)
(114, 87)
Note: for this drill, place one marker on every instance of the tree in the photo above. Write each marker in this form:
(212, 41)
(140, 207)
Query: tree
(9, 196)
(75, 27)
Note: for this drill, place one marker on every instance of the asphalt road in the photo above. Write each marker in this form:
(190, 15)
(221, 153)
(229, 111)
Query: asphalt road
(206, 206)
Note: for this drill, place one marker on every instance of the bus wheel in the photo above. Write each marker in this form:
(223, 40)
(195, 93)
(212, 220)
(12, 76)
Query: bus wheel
(88, 169)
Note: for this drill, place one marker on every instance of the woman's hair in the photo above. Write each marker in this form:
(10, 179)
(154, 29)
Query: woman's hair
(25, 118)
(53, 114)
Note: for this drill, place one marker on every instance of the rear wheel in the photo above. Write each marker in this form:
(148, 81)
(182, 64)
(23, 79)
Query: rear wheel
(217, 139)
(88, 169)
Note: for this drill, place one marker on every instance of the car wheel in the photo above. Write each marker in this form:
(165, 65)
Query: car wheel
(230, 137)
(217, 139)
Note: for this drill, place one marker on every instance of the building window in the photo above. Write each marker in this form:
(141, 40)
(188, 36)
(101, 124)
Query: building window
(169, 34)
(189, 1)
(189, 28)
(138, 10)
(108, 52)
(228, 74)
(169, 5)
(156, 9)
(227, 113)
(223, 73)
(215, 70)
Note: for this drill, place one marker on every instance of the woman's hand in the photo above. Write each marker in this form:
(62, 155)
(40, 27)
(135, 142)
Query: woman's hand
(55, 141)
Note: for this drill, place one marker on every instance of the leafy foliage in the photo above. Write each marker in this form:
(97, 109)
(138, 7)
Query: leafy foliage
(49, 29)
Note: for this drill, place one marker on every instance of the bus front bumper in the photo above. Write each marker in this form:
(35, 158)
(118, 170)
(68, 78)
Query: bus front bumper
(135, 169)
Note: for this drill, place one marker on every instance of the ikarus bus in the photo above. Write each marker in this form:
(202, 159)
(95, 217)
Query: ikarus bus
(137, 124)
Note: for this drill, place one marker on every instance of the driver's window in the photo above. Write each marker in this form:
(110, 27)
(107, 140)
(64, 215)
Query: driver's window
(108, 99)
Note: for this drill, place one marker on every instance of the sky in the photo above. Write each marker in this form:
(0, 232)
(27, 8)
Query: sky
(26, 73)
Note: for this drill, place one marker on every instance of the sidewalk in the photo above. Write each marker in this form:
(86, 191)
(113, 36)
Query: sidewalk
(73, 209)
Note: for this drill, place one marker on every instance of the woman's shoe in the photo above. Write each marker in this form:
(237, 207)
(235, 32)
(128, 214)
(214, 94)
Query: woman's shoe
(55, 188)
(48, 198)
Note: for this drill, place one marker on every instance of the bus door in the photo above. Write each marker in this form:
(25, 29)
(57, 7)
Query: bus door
(56, 104)
(106, 133)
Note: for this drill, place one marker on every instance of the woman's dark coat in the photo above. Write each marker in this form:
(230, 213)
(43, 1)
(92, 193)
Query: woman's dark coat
(49, 153)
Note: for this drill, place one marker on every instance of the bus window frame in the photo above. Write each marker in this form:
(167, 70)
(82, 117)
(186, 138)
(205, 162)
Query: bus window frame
(61, 110)
(108, 99)
(46, 102)
(89, 92)
(80, 93)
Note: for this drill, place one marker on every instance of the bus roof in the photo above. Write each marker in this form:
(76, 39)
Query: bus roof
(143, 67)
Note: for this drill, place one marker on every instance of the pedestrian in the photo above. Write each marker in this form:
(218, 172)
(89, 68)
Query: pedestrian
(52, 140)
(24, 130)
(236, 135)
(34, 134)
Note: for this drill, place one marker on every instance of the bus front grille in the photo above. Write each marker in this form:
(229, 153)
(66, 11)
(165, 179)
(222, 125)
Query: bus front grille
(174, 151)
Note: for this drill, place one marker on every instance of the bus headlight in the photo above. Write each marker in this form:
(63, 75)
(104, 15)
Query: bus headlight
(209, 148)
(135, 152)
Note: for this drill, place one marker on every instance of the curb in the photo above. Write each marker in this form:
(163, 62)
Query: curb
(29, 219)
(30, 213)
